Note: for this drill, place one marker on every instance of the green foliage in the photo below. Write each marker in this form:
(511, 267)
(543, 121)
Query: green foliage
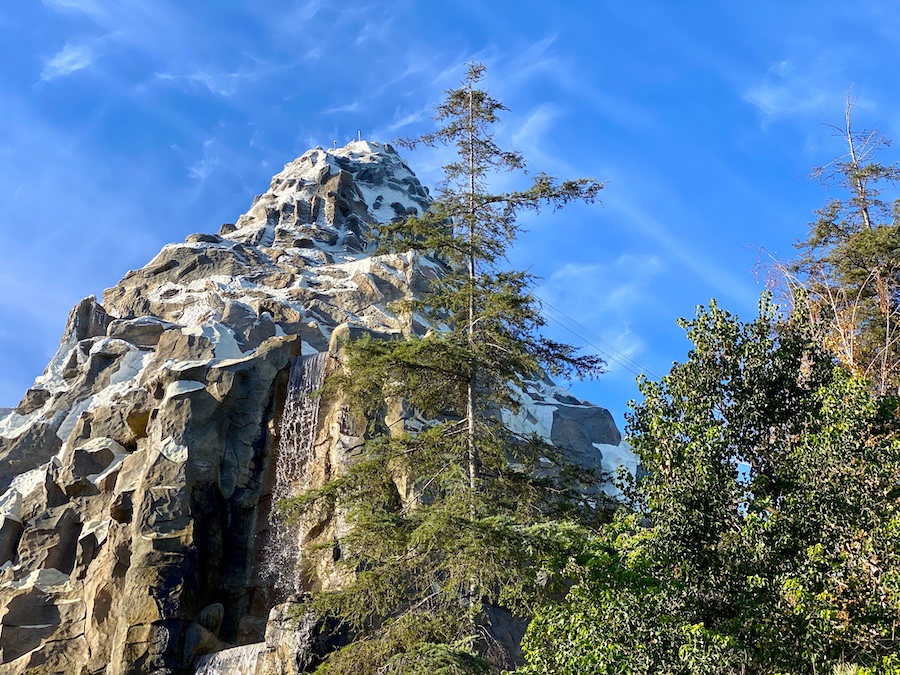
(764, 535)
(478, 301)
(447, 511)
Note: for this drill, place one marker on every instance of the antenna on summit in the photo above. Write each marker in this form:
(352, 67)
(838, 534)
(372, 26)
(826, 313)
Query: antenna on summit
(358, 135)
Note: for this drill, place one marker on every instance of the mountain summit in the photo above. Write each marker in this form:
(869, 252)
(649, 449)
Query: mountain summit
(137, 474)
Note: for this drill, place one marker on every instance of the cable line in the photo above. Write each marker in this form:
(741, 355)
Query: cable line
(605, 347)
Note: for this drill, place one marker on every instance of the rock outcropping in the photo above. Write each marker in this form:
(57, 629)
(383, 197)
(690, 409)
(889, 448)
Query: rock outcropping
(136, 475)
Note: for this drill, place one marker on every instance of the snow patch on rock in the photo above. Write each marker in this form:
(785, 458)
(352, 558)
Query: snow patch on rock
(124, 379)
(173, 450)
(47, 580)
(531, 419)
(21, 486)
(181, 387)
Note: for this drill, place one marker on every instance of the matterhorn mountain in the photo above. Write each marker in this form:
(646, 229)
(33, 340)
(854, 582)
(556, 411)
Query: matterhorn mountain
(138, 474)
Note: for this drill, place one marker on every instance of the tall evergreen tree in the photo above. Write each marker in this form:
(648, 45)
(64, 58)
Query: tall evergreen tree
(449, 516)
(849, 265)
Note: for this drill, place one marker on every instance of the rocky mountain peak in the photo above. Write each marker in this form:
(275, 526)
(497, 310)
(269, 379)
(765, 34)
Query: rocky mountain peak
(332, 200)
(137, 474)
(279, 269)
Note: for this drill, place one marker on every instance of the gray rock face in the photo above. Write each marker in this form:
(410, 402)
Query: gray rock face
(136, 474)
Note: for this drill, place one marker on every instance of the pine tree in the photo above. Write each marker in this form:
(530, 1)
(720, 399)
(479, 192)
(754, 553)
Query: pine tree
(849, 265)
(450, 515)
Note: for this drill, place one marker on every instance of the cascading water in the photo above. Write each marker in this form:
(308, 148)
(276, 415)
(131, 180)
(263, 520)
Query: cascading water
(295, 450)
(234, 661)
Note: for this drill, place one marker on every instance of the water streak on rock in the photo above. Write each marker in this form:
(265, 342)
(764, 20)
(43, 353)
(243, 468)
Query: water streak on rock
(295, 450)
(236, 661)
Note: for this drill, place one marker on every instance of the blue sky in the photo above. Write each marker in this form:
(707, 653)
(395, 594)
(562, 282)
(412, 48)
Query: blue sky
(127, 124)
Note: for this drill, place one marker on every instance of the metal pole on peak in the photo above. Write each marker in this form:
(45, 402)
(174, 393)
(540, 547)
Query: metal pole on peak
(358, 135)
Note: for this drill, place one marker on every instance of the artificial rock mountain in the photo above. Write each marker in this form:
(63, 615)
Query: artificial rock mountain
(136, 475)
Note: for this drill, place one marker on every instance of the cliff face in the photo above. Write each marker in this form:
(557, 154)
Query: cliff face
(136, 475)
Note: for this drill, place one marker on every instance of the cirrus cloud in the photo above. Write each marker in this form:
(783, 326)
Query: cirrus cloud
(70, 59)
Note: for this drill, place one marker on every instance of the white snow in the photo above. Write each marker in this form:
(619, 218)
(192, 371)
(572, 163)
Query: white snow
(615, 456)
(14, 424)
(360, 147)
(149, 320)
(46, 579)
(388, 195)
(99, 528)
(197, 312)
(11, 505)
(72, 418)
(173, 450)
(181, 366)
(20, 487)
(531, 418)
(180, 387)
(114, 466)
(130, 365)
(268, 237)
(124, 379)
(224, 343)
(52, 379)
(100, 443)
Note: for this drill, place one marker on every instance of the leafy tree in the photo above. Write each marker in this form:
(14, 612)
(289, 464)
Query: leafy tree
(447, 515)
(762, 540)
(849, 263)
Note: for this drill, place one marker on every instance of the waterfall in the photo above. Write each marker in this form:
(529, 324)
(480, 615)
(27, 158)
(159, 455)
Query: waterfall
(295, 450)
(234, 661)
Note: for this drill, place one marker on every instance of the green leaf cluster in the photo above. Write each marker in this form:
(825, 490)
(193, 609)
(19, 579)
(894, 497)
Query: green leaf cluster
(763, 539)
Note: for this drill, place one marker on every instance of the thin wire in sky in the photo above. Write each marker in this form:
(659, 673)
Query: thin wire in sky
(606, 348)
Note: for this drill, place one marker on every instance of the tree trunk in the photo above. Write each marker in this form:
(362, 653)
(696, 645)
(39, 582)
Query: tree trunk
(470, 403)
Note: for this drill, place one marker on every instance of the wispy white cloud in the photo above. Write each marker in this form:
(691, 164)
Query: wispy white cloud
(70, 59)
(220, 84)
(159, 29)
(122, 16)
(724, 282)
(594, 289)
(90, 7)
(374, 30)
(536, 124)
(321, 22)
(349, 107)
(785, 90)
(534, 59)
(201, 169)
(516, 74)
(303, 12)
(801, 86)
(402, 118)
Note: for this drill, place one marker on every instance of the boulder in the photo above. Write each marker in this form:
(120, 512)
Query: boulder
(34, 399)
